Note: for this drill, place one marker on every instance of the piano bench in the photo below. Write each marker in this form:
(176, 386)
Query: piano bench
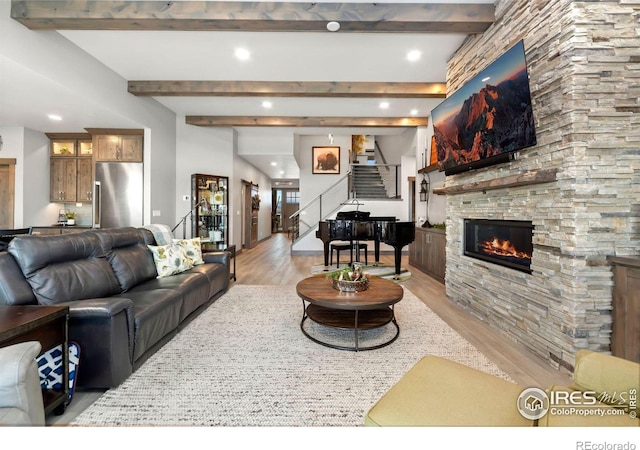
(348, 246)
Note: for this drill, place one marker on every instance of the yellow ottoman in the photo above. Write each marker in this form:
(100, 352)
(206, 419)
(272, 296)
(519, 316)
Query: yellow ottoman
(438, 392)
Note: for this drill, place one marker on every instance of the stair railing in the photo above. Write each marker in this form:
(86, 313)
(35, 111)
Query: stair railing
(320, 207)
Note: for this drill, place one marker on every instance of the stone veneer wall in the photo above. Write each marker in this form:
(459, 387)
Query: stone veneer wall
(584, 70)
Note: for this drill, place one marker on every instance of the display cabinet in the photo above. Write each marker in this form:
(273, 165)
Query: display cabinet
(210, 197)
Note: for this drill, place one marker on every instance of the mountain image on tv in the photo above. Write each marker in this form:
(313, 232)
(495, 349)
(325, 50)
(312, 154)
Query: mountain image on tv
(489, 116)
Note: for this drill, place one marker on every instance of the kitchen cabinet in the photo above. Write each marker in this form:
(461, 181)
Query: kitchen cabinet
(84, 180)
(210, 206)
(428, 252)
(71, 167)
(119, 146)
(63, 179)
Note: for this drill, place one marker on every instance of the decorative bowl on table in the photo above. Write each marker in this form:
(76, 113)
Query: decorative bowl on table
(350, 279)
(350, 286)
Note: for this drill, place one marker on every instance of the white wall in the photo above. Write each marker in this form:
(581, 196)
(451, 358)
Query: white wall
(88, 95)
(200, 150)
(311, 185)
(242, 170)
(437, 204)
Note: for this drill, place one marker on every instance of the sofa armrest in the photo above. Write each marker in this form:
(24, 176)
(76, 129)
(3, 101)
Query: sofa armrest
(613, 378)
(98, 307)
(104, 328)
(217, 257)
(20, 391)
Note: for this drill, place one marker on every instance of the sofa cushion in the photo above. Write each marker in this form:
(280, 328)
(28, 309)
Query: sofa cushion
(64, 268)
(130, 259)
(193, 286)
(156, 314)
(217, 274)
(170, 259)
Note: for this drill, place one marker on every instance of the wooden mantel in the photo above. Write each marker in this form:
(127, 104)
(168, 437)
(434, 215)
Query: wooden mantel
(523, 179)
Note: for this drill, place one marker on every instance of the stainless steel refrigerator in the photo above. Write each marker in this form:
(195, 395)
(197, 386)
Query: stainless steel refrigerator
(118, 195)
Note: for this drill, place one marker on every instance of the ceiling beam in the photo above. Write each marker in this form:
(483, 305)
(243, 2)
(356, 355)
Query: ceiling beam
(252, 16)
(287, 89)
(290, 121)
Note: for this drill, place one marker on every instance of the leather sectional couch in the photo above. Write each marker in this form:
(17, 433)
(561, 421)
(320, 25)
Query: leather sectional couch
(120, 313)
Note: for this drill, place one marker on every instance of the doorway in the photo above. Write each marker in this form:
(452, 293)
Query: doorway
(285, 203)
(249, 214)
(7, 192)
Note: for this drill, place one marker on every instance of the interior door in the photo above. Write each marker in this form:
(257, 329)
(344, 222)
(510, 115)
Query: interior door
(7, 192)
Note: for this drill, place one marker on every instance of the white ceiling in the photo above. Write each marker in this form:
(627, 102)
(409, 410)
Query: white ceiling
(275, 56)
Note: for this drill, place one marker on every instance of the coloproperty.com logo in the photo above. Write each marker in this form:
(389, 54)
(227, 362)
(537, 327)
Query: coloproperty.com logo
(535, 403)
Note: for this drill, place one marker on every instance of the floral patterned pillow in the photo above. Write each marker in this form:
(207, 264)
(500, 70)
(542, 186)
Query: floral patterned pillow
(170, 259)
(192, 248)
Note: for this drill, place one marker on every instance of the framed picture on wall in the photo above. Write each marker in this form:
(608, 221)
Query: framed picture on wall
(326, 159)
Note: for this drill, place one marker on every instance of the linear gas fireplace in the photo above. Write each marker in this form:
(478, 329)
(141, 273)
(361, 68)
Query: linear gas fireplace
(508, 243)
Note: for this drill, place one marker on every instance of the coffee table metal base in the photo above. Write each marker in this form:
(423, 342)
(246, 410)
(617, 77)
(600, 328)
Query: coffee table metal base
(357, 320)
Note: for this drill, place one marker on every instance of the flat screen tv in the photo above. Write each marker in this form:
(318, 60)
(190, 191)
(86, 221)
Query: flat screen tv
(488, 119)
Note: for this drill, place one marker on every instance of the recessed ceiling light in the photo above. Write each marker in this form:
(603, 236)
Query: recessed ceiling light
(54, 117)
(414, 112)
(414, 55)
(273, 163)
(282, 172)
(333, 26)
(242, 54)
(384, 105)
(267, 104)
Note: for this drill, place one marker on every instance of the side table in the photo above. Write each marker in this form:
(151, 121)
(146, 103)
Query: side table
(49, 326)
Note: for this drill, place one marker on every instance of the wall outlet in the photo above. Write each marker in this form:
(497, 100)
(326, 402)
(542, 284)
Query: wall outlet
(156, 213)
(186, 198)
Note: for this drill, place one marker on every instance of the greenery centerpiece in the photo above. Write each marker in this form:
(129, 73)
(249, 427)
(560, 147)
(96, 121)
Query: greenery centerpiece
(349, 279)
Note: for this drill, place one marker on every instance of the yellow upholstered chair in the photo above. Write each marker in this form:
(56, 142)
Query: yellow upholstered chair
(439, 392)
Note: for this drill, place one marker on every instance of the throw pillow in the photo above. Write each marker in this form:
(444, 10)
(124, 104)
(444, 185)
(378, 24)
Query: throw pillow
(192, 248)
(50, 368)
(170, 259)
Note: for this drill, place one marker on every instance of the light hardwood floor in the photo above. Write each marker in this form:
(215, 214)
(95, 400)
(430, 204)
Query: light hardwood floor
(271, 263)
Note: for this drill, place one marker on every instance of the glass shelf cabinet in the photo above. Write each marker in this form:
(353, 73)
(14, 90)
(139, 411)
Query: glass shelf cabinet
(210, 197)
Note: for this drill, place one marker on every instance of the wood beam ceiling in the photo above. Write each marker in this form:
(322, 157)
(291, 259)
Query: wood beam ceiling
(191, 15)
(252, 16)
(185, 88)
(313, 122)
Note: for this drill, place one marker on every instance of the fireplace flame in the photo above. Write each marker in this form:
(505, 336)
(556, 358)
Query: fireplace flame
(501, 247)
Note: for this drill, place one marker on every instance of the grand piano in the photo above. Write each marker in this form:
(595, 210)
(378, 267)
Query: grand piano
(357, 226)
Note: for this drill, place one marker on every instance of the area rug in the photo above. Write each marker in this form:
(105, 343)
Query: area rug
(381, 270)
(245, 362)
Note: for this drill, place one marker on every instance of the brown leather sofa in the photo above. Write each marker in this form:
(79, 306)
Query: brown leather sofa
(120, 313)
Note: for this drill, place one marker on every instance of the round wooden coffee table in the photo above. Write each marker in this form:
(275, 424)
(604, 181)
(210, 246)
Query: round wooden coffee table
(365, 310)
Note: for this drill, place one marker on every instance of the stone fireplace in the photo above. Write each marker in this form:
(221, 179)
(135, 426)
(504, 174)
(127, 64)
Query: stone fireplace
(578, 187)
(508, 243)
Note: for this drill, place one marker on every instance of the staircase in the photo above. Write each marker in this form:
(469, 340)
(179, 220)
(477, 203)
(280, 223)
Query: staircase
(367, 182)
